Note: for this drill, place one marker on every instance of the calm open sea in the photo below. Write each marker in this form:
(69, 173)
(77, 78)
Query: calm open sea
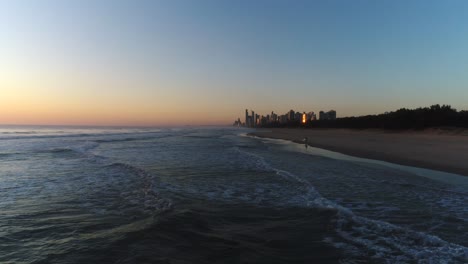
(214, 195)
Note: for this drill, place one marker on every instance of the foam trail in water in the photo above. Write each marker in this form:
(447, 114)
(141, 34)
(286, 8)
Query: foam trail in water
(379, 239)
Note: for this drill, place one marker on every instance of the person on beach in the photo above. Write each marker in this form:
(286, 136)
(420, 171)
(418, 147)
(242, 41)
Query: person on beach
(305, 142)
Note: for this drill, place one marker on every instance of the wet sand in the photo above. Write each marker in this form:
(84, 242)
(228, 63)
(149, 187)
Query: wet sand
(432, 149)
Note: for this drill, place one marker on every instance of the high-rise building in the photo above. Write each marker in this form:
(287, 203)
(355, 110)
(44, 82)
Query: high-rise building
(253, 119)
(311, 116)
(330, 115)
(283, 119)
(246, 117)
(297, 116)
(322, 115)
(291, 115)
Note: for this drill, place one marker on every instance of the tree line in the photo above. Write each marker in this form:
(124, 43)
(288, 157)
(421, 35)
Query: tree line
(419, 118)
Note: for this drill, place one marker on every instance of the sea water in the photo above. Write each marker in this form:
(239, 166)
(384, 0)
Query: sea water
(215, 195)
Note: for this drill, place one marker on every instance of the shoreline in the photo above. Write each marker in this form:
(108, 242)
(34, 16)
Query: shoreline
(423, 149)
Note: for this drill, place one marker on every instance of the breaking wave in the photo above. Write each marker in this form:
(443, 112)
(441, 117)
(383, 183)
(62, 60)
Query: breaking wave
(378, 239)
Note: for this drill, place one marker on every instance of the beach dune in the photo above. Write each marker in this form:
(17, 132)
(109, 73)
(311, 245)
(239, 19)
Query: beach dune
(443, 150)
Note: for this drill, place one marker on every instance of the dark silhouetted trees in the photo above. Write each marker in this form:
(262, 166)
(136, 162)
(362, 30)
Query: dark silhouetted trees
(419, 118)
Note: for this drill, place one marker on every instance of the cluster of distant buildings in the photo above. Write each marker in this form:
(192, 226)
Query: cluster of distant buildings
(255, 120)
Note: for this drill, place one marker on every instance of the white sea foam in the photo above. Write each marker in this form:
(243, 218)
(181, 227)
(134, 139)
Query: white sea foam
(373, 238)
(459, 182)
(99, 184)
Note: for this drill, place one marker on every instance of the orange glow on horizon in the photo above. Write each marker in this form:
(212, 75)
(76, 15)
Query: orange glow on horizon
(38, 102)
(31, 111)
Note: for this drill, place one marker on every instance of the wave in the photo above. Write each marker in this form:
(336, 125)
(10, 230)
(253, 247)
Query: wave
(18, 132)
(377, 239)
(111, 140)
(150, 197)
(3, 155)
(48, 136)
(202, 137)
(57, 150)
(130, 168)
(82, 149)
(119, 140)
(71, 135)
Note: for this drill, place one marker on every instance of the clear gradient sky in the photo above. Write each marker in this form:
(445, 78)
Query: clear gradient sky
(203, 62)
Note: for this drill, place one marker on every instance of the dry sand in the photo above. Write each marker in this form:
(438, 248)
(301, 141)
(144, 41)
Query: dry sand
(443, 150)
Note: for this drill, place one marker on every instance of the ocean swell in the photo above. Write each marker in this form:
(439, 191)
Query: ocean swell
(364, 237)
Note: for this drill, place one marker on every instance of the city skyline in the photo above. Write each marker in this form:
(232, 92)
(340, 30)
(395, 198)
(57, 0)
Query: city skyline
(168, 63)
(258, 120)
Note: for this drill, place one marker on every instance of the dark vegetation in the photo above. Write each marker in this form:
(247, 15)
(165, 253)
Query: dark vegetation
(419, 118)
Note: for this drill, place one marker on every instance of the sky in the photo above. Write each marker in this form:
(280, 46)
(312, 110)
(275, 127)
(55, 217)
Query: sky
(174, 62)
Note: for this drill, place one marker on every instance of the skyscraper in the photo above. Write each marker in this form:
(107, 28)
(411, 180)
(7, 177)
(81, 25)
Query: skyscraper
(291, 115)
(246, 118)
(253, 119)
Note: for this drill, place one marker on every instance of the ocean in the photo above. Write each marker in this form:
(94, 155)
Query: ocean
(216, 195)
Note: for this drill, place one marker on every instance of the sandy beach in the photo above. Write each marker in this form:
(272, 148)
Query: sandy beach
(432, 149)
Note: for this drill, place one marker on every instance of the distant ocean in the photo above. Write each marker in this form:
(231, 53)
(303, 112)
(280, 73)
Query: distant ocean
(213, 195)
